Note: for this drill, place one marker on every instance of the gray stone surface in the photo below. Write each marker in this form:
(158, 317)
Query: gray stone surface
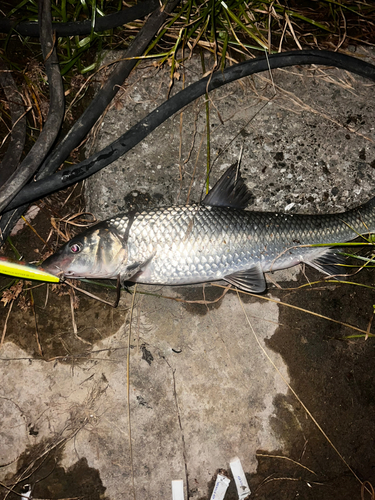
(199, 393)
(307, 139)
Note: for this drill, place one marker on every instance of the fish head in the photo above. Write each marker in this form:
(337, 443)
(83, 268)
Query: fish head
(97, 252)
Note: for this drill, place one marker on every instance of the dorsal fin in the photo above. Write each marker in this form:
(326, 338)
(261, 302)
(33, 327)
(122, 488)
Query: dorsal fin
(229, 191)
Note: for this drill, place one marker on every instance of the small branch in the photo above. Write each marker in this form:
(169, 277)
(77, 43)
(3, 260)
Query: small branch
(5, 324)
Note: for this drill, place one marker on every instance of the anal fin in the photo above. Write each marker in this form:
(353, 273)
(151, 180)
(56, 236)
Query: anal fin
(249, 280)
(330, 263)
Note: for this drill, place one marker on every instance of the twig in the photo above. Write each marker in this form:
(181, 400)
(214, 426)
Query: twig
(300, 309)
(369, 326)
(204, 302)
(180, 424)
(35, 232)
(112, 304)
(286, 458)
(5, 324)
(36, 325)
(366, 485)
(75, 329)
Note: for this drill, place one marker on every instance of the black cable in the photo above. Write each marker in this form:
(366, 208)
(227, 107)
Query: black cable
(30, 28)
(127, 141)
(55, 116)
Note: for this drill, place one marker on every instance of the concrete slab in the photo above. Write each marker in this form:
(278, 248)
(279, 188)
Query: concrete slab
(306, 134)
(201, 388)
(195, 398)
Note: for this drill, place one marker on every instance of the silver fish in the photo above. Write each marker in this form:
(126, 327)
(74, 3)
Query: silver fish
(214, 240)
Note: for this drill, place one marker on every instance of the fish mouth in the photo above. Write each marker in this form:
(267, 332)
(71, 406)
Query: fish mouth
(56, 266)
(55, 270)
(64, 275)
(59, 273)
(68, 274)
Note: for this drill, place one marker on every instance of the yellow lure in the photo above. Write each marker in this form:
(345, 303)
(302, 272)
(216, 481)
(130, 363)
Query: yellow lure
(26, 271)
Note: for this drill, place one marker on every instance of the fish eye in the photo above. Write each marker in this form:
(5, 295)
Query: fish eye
(76, 247)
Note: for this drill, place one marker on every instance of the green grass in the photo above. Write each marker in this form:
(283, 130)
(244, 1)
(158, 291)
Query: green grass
(229, 29)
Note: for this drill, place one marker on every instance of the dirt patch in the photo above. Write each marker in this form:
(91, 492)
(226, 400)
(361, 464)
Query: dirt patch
(48, 328)
(333, 378)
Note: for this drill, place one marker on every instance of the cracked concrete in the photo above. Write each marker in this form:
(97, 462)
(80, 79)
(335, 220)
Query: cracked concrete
(186, 373)
(201, 389)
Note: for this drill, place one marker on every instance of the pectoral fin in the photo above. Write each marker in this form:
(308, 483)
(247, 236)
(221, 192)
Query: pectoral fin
(249, 280)
(130, 271)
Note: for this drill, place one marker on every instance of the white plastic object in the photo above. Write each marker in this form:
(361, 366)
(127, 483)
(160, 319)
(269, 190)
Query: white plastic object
(220, 488)
(27, 494)
(239, 477)
(178, 489)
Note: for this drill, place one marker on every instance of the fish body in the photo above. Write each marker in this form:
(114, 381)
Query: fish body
(214, 240)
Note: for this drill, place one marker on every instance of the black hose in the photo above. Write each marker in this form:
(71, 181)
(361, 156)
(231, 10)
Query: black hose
(55, 113)
(127, 141)
(9, 220)
(30, 28)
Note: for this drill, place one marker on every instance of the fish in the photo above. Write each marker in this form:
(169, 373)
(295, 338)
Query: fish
(215, 240)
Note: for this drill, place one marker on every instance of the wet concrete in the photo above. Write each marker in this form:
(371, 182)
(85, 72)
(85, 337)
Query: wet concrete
(208, 369)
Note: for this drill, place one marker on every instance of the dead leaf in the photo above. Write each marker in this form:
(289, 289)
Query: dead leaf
(12, 293)
(23, 303)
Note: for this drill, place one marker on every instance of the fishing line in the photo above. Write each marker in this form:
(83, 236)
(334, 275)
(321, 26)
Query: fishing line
(112, 304)
(128, 389)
